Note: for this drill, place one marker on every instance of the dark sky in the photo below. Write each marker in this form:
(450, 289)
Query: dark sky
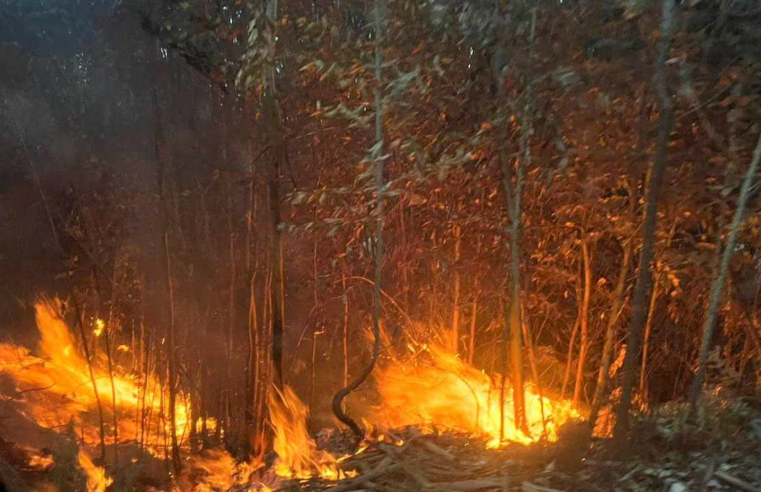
(51, 27)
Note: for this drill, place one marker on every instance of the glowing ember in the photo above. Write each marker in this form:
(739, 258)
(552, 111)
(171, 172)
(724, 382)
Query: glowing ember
(100, 325)
(441, 390)
(97, 481)
(38, 461)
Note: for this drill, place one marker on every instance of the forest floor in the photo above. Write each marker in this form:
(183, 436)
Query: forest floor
(718, 448)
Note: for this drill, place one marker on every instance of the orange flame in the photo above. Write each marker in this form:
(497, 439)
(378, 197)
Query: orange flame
(298, 456)
(443, 391)
(97, 481)
(64, 390)
(220, 471)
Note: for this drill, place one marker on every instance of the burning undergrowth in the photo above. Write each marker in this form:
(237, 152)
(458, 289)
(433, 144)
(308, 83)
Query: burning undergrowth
(426, 389)
(59, 390)
(433, 387)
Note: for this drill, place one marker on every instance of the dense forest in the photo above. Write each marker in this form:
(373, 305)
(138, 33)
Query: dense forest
(229, 225)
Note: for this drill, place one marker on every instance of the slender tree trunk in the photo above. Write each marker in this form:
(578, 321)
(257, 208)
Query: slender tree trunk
(717, 286)
(569, 357)
(646, 339)
(405, 257)
(472, 337)
(98, 404)
(377, 156)
(455, 341)
(232, 286)
(252, 371)
(535, 375)
(584, 322)
(273, 123)
(114, 408)
(345, 299)
(642, 289)
(167, 267)
(312, 372)
(619, 294)
(513, 194)
(43, 198)
(315, 272)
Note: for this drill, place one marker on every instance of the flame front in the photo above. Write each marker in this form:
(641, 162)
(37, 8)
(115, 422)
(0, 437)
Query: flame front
(298, 456)
(64, 376)
(97, 481)
(441, 390)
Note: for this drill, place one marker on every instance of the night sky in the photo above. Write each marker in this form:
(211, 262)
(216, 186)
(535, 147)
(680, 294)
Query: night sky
(51, 27)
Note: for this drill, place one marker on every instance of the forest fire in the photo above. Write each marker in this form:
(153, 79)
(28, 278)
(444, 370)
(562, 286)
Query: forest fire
(436, 388)
(298, 456)
(97, 481)
(474, 246)
(55, 389)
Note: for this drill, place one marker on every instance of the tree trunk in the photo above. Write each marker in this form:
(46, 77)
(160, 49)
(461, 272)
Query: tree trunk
(569, 357)
(619, 294)
(717, 285)
(642, 289)
(513, 194)
(345, 299)
(312, 373)
(167, 267)
(98, 404)
(377, 156)
(43, 198)
(472, 337)
(456, 293)
(232, 285)
(252, 371)
(535, 375)
(646, 340)
(273, 124)
(583, 323)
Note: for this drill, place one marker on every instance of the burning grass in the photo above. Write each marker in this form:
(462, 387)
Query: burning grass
(55, 387)
(433, 387)
(428, 389)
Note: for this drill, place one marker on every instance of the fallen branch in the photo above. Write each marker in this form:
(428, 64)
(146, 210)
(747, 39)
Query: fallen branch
(735, 482)
(438, 450)
(386, 466)
(531, 487)
(478, 484)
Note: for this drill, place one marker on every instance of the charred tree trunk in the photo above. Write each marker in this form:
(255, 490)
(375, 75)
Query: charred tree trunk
(658, 169)
(377, 156)
(717, 285)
